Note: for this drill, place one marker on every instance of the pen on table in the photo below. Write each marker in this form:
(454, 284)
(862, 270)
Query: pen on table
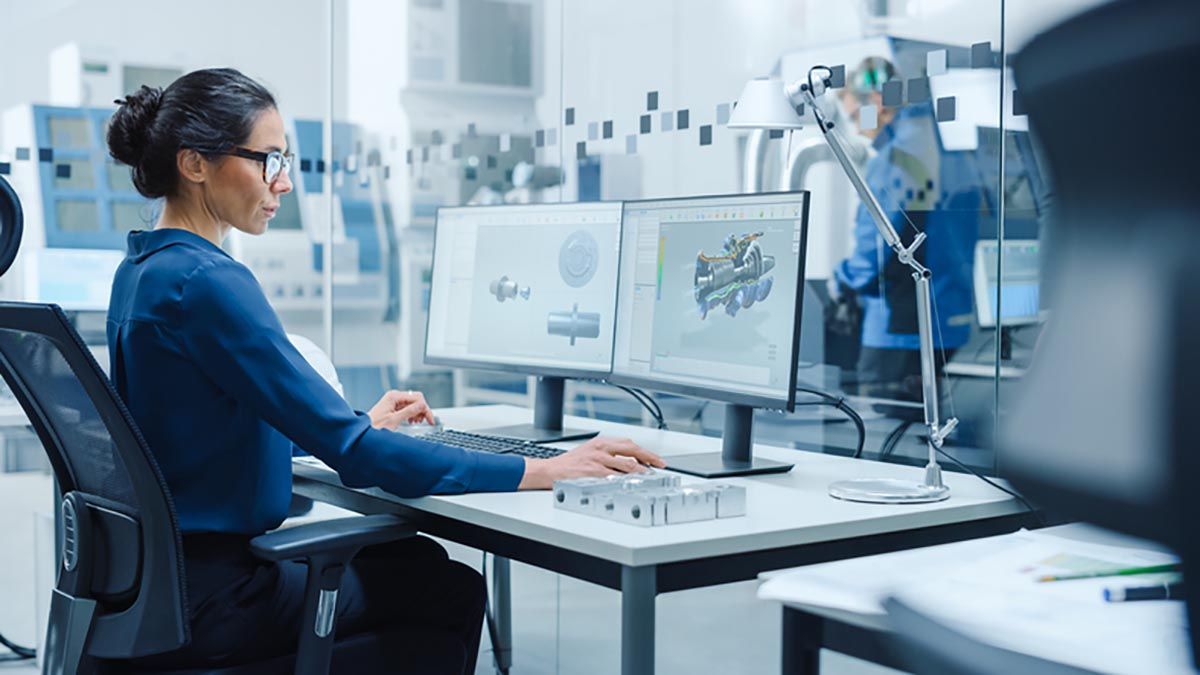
(1165, 591)
(1127, 571)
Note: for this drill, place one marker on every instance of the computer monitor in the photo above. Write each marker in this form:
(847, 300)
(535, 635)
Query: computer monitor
(708, 305)
(529, 289)
(1019, 297)
(78, 280)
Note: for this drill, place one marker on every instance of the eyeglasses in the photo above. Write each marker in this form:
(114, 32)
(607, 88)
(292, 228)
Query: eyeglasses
(274, 162)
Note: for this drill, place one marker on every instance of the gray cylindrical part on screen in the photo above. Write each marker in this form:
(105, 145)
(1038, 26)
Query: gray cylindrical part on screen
(574, 324)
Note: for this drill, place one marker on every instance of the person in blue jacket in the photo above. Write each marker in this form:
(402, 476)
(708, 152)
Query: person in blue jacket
(921, 188)
(222, 396)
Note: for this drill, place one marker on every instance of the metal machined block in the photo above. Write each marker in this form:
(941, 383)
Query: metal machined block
(731, 500)
(650, 499)
(690, 504)
(645, 507)
(581, 494)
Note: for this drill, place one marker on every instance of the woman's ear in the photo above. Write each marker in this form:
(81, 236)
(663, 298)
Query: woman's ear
(192, 166)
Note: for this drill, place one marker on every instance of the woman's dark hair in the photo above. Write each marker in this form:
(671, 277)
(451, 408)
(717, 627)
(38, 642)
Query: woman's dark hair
(214, 109)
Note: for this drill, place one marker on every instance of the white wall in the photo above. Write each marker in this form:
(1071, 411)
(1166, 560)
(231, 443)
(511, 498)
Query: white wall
(696, 54)
(283, 44)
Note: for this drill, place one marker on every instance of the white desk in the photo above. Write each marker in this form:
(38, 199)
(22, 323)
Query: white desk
(837, 606)
(790, 521)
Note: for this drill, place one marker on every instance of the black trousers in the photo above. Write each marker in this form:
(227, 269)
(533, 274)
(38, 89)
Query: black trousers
(244, 610)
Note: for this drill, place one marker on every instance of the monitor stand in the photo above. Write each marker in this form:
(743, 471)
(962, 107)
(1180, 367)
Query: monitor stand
(736, 453)
(547, 424)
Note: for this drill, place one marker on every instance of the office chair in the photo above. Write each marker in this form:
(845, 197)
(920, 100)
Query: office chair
(926, 647)
(121, 590)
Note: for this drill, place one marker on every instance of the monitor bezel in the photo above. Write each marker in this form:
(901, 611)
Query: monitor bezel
(716, 393)
(521, 368)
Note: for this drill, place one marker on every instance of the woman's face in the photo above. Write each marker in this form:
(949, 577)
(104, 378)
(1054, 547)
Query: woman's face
(237, 193)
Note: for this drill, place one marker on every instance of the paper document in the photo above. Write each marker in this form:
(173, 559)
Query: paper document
(999, 600)
(989, 589)
(861, 584)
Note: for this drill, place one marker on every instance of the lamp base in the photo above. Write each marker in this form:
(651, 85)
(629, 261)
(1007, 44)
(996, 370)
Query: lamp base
(888, 491)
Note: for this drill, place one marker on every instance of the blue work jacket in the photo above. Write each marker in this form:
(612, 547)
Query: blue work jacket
(942, 194)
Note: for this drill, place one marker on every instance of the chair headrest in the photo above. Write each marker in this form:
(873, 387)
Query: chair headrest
(12, 224)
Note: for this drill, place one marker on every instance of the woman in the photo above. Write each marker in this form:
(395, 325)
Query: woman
(221, 395)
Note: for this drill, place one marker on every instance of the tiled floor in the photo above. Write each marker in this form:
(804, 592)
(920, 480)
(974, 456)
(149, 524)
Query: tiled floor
(560, 625)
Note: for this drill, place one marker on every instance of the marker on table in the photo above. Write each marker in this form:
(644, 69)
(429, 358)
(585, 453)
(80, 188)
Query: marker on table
(1126, 571)
(1165, 591)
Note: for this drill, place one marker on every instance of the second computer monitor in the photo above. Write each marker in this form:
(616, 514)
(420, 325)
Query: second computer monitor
(529, 289)
(708, 304)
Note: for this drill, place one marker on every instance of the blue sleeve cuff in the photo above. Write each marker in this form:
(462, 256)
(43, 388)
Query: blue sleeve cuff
(496, 473)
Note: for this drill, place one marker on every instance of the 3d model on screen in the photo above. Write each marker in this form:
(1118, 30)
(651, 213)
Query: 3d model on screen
(505, 288)
(737, 278)
(574, 324)
(577, 258)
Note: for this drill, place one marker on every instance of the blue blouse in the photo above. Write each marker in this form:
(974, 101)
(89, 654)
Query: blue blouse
(221, 395)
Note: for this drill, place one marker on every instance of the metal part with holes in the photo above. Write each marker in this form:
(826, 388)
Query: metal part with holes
(658, 499)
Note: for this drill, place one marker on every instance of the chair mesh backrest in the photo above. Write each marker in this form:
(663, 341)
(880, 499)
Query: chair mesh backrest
(97, 451)
(88, 449)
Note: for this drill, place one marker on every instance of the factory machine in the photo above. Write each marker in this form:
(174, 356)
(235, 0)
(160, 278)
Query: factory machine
(79, 204)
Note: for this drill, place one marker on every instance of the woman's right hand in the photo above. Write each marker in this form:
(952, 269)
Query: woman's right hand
(598, 457)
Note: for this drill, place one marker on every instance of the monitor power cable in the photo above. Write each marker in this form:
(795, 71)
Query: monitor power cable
(893, 439)
(21, 653)
(839, 402)
(648, 403)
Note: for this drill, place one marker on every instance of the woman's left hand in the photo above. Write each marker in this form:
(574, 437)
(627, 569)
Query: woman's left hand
(400, 407)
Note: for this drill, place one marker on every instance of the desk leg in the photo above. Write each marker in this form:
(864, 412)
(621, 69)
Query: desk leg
(502, 612)
(801, 643)
(639, 587)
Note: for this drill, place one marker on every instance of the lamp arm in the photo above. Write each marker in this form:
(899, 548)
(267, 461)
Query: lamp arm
(922, 277)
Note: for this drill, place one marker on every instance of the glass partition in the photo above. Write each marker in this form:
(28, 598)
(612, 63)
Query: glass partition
(395, 109)
(76, 58)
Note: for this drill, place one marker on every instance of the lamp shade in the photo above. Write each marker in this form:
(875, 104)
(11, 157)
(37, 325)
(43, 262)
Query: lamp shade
(764, 105)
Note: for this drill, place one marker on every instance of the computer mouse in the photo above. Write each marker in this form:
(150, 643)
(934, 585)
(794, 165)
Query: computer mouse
(419, 428)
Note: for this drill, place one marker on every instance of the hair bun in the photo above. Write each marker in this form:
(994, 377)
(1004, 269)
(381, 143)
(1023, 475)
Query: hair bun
(129, 130)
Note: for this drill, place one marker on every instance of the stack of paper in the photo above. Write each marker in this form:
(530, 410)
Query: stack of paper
(989, 589)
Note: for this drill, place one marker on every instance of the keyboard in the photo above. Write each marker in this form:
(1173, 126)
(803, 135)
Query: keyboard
(494, 444)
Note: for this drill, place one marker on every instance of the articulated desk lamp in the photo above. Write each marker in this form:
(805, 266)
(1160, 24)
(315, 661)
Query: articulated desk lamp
(766, 103)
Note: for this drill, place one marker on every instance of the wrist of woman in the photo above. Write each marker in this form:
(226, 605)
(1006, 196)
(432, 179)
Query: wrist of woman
(536, 476)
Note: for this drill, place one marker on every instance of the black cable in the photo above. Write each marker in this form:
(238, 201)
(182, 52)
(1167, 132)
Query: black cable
(21, 652)
(839, 402)
(893, 439)
(827, 69)
(1016, 495)
(662, 418)
(647, 402)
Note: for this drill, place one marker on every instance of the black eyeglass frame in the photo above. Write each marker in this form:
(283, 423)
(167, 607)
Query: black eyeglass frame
(286, 159)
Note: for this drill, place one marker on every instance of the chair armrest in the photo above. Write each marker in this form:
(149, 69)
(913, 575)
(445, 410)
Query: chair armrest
(330, 536)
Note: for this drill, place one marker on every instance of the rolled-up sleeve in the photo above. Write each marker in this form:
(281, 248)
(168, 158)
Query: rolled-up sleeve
(228, 326)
